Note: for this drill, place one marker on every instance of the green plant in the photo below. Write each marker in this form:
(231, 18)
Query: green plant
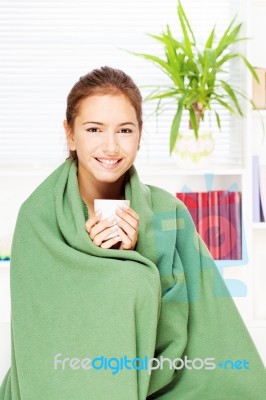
(195, 73)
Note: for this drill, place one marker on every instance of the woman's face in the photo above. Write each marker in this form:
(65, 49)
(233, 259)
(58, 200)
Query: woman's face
(106, 137)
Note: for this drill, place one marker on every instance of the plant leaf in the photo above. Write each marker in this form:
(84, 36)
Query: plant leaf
(223, 43)
(186, 20)
(161, 63)
(183, 19)
(226, 58)
(232, 95)
(193, 120)
(163, 95)
(251, 69)
(209, 42)
(218, 120)
(166, 40)
(176, 124)
(224, 104)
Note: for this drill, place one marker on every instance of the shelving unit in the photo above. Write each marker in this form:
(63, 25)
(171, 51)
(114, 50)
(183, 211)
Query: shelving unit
(250, 270)
(212, 178)
(257, 145)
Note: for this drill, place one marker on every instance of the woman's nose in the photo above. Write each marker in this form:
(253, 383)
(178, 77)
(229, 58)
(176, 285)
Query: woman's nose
(110, 144)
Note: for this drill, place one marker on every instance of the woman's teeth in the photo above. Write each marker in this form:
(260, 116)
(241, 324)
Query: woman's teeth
(107, 161)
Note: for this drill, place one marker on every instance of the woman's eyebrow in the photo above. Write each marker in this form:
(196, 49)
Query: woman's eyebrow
(101, 123)
(93, 122)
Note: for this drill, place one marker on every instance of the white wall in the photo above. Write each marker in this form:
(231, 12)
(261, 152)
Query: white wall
(258, 33)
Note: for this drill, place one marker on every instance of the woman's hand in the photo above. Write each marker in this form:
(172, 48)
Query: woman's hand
(128, 225)
(127, 222)
(100, 230)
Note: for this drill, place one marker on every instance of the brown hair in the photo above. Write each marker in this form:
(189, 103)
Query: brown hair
(105, 80)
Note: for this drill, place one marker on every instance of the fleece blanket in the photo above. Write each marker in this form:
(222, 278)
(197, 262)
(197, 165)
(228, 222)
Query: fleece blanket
(156, 322)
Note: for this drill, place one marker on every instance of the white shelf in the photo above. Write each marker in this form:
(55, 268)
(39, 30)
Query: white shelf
(259, 225)
(4, 263)
(229, 263)
(176, 171)
(259, 113)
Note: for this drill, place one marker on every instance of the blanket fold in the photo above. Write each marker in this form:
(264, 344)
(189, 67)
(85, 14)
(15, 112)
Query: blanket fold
(86, 321)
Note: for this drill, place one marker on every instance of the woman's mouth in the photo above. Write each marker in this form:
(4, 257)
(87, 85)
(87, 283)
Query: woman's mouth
(109, 163)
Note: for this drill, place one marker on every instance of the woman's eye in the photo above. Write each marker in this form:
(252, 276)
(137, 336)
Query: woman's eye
(93, 130)
(126, 130)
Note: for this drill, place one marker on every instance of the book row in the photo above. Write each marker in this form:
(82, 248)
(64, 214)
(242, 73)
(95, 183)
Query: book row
(217, 217)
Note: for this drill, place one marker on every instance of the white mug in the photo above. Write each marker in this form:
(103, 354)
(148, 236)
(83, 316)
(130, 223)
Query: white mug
(108, 207)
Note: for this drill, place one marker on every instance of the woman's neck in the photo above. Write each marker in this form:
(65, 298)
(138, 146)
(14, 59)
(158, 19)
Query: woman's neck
(102, 190)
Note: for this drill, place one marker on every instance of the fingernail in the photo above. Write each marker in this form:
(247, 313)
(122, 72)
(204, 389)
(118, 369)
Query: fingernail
(118, 208)
(111, 219)
(125, 206)
(98, 213)
(117, 218)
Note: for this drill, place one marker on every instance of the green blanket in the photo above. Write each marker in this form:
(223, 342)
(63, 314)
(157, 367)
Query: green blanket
(86, 321)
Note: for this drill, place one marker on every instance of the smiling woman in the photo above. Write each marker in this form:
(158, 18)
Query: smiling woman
(149, 298)
(103, 129)
(105, 150)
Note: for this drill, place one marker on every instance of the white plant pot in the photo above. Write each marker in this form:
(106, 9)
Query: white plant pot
(190, 152)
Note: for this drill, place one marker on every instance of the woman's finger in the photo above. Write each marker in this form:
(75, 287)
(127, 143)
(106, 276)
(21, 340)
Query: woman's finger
(102, 236)
(94, 219)
(111, 242)
(124, 227)
(127, 243)
(101, 226)
(128, 222)
(129, 215)
(128, 229)
(130, 211)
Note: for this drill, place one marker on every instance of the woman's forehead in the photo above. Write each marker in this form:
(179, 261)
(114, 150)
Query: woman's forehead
(110, 106)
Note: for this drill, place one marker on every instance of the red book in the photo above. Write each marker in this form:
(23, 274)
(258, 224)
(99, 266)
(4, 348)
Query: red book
(224, 222)
(235, 225)
(214, 227)
(191, 202)
(203, 217)
(181, 196)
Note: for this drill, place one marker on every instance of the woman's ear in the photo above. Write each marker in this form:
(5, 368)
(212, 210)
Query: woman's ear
(69, 136)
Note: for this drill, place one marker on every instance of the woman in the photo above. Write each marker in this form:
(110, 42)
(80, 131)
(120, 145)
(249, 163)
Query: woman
(143, 315)
(105, 146)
